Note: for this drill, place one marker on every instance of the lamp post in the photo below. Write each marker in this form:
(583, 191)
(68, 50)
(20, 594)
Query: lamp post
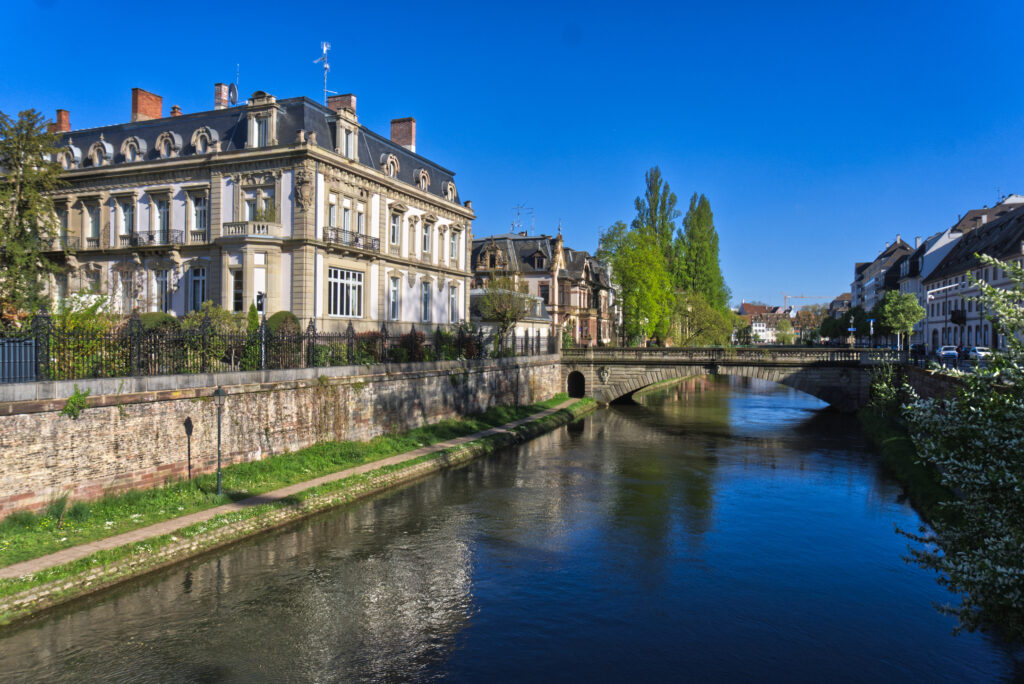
(219, 396)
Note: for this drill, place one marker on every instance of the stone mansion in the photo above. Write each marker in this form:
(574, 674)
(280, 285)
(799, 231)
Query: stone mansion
(285, 198)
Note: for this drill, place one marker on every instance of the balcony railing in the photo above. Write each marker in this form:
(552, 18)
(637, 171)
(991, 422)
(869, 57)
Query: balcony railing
(198, 237)
(64, 243)
(92, 243)
(160, 237)
(252, 228)
(349, 239)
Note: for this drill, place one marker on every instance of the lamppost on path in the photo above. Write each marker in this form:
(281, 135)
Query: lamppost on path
(219, 396)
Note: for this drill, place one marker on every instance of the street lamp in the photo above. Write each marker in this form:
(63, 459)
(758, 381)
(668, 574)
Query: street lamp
(219, 396)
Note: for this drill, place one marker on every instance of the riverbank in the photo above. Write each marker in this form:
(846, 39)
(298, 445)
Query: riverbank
(101, 564)
(900, 459)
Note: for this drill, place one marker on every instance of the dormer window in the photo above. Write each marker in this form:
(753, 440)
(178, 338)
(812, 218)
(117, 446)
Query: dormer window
(133, 149)
(101, 152)
(449, 191)
(389, 165)
(348, 146)
(423, 180)
(262, 131)
(168, 145)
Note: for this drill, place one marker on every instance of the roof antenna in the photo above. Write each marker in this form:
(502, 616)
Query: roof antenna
(324, 47)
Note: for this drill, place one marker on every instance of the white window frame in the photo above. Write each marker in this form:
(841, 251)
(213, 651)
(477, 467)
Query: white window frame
(454, 249)
(426, 301)
(162, 284)
(344, 293)
(395, 233)
(394, 295)
(346, 219)
(361, 220)
(197, 281)
(126, 226)
(350, 147)
(428, 237)
(453, 304)
(332, 211)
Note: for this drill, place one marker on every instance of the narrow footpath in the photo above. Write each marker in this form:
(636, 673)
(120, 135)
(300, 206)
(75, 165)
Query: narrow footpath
(168, 526)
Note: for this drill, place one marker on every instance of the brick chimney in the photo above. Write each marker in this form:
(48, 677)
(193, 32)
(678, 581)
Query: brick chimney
(339, 102)
(403, 132)
(220, 95)
(146, 105)
(63, 124)
(175, 110)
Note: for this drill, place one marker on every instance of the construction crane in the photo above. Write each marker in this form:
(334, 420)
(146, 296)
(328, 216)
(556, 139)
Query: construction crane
(786, 298)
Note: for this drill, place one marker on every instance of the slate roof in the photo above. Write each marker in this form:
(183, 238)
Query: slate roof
(231, 127)
(1000, 239)
(519, 251)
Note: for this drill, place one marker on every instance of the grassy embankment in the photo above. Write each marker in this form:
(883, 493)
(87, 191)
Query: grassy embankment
(899, 457)
(27, 535)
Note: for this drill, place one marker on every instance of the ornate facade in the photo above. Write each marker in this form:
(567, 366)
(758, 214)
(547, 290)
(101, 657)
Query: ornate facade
(575, 287)
(286, 199)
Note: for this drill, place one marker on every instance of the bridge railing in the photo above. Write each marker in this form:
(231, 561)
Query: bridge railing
(797, 355)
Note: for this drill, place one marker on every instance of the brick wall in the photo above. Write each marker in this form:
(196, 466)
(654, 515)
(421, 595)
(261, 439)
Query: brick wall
(136, 440)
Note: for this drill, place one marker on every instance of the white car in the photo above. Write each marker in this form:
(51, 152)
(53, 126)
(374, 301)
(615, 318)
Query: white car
(947, 353)
(979, 353)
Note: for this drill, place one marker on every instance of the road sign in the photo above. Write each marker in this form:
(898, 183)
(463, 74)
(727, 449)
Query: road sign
(851, 330)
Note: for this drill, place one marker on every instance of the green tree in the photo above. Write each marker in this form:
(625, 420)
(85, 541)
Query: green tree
(973, 441)
(899, 313)
(696, 323)
(504, 304)
(251, 350)
(784, 332)
(638, 268)
(656, 215)
(28, 223)
(700, 271)
(743, 331)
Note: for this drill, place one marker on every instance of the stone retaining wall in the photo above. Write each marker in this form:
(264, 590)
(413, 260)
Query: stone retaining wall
(139, 439)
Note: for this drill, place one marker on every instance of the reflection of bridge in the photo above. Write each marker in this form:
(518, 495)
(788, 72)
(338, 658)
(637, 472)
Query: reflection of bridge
(837, 376)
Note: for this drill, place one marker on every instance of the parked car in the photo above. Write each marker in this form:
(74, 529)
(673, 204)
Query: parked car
(979, 353)
(947, 352)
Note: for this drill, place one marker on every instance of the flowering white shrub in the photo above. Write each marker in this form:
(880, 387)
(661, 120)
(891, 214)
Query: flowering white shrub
(975, 440)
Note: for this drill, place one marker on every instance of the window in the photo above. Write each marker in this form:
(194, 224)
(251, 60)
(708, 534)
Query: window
(62, 221)
(201, 213)
(427, 237)
(197, 288)
(393, 298)
(346, 219)
(92, 282)
(201, 145)
(545, 292)
(262, 131)
(130, 153)
(127, 226)
(344, 293)
(126, 293)
(425, 311)
(165, 149)
(162, 218)
(395, 228)
(454, 246)
(453, 305)
(349, 146)
(163, 291)
(361, 221)
(92, 228)
(250, 207)
(392, 168)
(236, 290)
(332, 211)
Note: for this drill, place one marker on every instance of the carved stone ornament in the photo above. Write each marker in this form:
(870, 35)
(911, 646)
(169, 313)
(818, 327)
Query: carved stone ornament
(304, 188)
(411, 277)
(440, 285)
(602, 374)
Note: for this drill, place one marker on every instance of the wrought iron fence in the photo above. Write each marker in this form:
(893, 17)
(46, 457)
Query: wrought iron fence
(46, 352)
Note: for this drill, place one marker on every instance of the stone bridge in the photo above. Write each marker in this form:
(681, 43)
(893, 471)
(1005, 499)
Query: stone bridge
(840, 377)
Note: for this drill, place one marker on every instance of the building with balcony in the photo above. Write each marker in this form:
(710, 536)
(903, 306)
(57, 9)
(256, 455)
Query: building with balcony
(285, 198)
(575, 287)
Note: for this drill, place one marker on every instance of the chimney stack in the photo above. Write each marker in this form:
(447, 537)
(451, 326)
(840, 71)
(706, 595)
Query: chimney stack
(917, 242)
(897, 238)
(984, 219)
(146, 105)
(220, 95)
(338, 102)
(403, 132)
(63, 124)
(175, 110)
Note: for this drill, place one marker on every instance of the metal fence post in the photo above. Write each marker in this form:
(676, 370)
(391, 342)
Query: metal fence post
(350, 342)
(383, 343)
(135, 343)
(310, 341)
(42, 332)
(263, 343)
(437, 343)
(204, 336)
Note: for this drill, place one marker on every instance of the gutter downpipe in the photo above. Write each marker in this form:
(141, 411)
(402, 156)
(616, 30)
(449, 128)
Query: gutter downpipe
(316, 213)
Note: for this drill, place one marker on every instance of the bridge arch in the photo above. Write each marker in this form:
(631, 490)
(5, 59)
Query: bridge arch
(576, 385)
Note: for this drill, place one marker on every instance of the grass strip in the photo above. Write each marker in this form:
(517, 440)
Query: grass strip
(900, 458)
(139, 557)
(27, 535)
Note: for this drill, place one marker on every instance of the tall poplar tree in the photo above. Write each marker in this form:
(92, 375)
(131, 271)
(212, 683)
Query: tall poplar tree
(700, 272)
(656, 216)
(27, 219)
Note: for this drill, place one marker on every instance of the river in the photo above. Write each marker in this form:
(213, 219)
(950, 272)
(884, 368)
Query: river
(727, 530)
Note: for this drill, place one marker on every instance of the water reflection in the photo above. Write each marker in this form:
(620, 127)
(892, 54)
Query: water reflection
(726, 530)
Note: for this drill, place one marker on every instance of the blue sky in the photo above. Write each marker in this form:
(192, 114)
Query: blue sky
(818, 131)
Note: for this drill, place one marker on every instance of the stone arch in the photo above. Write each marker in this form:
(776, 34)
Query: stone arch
(576, 385)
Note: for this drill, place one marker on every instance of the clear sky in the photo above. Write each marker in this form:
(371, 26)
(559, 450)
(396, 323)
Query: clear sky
(817, 130)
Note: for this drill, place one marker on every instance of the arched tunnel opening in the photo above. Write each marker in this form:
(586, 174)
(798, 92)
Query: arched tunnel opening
(576, 385)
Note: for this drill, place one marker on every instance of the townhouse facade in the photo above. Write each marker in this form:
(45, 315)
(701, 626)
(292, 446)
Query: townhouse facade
(286, 204)
(869, 278)
(574, 286)
(764, 321)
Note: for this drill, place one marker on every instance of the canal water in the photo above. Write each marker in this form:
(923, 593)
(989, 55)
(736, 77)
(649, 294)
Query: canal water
(721, 531)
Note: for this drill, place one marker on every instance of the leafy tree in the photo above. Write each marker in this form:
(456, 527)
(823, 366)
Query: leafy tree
(504, 304)
(810, 317)
(27, 220)
(899, 313)
(833, 328)
(743, 330)
(784, 332)
(974, 440)
(696, 323)
(638, 268)
(251, 351)
(656, 215)
(700, 271)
